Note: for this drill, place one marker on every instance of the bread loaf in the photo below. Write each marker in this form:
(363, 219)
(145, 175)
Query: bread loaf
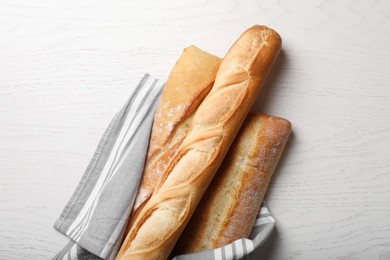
(213, 129)
(230, 205)
(188, 83)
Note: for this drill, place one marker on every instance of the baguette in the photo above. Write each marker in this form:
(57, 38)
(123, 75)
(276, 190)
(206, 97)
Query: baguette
(188, 83)
(214, 126)
(230, 205)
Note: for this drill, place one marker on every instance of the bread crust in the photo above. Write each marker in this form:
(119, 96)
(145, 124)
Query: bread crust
(188, 83)
(213, 129)
(230, 205)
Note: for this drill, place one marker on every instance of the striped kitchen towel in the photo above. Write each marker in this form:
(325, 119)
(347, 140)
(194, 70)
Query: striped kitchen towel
(95, 216)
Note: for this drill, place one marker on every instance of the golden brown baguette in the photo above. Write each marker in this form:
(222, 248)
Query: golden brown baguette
(214, 127)
(230, 205)
(188, 83)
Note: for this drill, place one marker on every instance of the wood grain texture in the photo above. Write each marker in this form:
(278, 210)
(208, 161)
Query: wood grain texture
(67, 67)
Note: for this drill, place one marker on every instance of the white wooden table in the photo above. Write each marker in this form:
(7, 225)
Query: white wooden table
(67, 66)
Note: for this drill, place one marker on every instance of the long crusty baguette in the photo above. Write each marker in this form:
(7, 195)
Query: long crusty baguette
(230, 205)
(188, 83)
(214, 127)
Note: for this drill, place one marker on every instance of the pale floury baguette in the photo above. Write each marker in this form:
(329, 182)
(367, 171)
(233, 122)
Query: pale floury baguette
(188, 83)
(240, 76)
(230, 205)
